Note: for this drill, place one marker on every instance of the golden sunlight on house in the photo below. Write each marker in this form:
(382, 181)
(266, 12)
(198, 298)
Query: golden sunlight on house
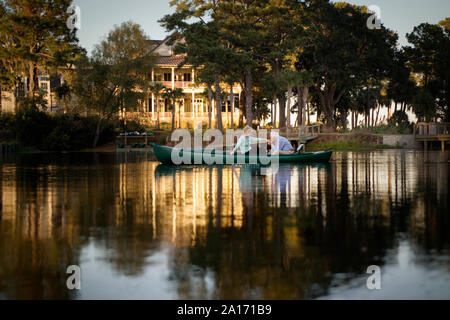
(192, 108)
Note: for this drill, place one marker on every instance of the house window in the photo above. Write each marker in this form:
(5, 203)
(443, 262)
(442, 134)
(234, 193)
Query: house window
(44, 86)
(158, 77)
(187, 77)
(167, 77)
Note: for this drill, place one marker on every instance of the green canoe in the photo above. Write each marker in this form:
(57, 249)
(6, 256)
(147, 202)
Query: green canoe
(202, 156)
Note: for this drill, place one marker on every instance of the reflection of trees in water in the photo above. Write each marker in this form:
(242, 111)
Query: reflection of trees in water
(124, 218)
(233, 233)
(288, 252)
(346, 216)
(54, 207)
(36, 247)
(430, 218)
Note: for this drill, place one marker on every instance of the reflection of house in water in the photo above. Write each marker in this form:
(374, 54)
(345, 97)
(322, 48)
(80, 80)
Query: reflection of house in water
(190, 199)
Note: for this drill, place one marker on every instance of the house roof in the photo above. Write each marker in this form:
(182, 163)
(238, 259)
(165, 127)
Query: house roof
(170, 60)
(157, 42)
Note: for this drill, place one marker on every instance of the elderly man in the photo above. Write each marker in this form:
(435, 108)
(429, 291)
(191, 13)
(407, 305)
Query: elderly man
(280, 145)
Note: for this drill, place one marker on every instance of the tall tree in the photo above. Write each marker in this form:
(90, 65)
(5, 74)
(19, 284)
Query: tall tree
(282, 27)
(173, 95)
(216, 45)
(429, 58)
(39, 39)
(114, 79)
(342, 52)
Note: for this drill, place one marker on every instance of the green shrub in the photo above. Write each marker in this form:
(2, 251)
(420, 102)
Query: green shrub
(404, 128)
(58, 140)
(132, 126)
(32, 126)
(351, 145)
(7, 127)
(72, 133)
(37, 129)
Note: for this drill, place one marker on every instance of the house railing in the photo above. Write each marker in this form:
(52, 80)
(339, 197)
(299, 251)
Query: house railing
(423, 129)
(298, 133)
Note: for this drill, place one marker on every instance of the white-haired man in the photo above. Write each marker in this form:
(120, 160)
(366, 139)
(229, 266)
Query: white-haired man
(280, 145)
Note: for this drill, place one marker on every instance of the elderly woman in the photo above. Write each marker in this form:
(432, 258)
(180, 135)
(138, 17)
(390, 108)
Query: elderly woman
(280, 145)
(246, 140)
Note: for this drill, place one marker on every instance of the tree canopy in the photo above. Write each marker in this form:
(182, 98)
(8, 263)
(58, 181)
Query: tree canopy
(34, 39)
(115, 77)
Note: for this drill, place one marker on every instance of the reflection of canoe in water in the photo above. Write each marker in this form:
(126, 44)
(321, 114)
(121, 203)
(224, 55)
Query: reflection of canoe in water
(164, 155)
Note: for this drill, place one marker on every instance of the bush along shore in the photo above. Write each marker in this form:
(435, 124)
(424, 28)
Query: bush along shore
(355, 141)
(34, 130)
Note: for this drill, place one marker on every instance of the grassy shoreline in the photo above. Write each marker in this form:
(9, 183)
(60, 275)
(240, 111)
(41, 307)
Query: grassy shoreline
(347, 146)
(339, 142)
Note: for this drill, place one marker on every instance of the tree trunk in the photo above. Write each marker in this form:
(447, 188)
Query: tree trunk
(372, 115)
(179, 114)
(274, 111)
(97, 133)
(309, 113)
(241, 109)
(31, 87)
(305, 98)
(300, 108)
(282, 110)
(158, 116)
(344, 115)
(218, 103)
(173, 114)
(377, 114)
(209, 107)
(232, 106)
(288, 107)
(281, 95)
(248, 96)
(329, 114)
(353, 119)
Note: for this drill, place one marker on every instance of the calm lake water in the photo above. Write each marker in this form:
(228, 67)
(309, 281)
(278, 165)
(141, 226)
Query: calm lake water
(141, 230)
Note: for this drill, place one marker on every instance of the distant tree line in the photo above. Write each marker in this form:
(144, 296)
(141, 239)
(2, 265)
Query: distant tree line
(319, 51)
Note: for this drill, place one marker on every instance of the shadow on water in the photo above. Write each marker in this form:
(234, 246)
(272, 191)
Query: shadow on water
(139, 229)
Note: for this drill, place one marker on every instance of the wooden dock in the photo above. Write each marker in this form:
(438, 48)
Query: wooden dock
(432, 132)
(138, 140)
(302, 134)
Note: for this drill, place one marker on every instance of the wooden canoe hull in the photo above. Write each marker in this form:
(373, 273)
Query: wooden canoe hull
(164, 155)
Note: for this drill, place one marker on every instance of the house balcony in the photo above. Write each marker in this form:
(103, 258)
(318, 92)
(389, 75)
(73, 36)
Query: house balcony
(178, 84)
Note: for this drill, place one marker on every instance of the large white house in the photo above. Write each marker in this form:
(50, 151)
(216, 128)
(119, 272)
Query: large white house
(172, 73)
